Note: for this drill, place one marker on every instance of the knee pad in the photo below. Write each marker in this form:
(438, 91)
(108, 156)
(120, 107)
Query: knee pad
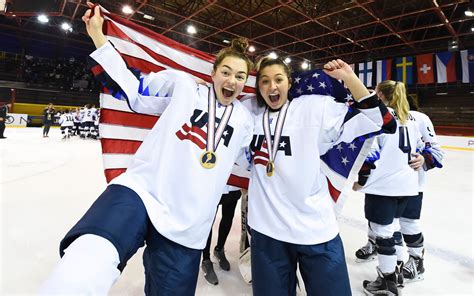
(414, 240)
(385, 246)
(397, 236)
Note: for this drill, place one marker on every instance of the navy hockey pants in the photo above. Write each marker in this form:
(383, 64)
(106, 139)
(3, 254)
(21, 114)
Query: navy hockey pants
(323, 267)
(119, 215)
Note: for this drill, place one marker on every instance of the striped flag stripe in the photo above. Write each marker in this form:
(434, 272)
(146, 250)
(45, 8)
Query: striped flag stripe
(109, 102)
(116, 161)
(120, 146)
(132, 119)
(120, 132)
(111, 174)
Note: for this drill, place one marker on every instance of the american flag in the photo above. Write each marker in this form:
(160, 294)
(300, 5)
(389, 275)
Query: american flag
(341, 163)
(122, 130)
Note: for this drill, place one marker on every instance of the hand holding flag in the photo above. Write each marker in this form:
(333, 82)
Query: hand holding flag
(94, 22)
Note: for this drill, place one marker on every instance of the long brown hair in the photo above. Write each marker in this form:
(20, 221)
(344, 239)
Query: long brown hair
(395, 93)
(238, 48)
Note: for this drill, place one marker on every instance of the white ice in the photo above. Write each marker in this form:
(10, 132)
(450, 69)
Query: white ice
(47, 184)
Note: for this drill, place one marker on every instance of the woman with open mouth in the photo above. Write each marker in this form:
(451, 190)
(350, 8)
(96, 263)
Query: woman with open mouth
(290, 209)
(169, 194)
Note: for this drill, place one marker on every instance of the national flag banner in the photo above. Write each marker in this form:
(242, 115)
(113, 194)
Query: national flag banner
(405, 70)
(341, 164)
(445, 67)
(122, 130)
(467, 64)
(365, 73)
(384, 70)
(424, 68)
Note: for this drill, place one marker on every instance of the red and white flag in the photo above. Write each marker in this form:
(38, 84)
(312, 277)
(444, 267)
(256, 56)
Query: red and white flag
(424, 68)
(122, 130)
(446, 67)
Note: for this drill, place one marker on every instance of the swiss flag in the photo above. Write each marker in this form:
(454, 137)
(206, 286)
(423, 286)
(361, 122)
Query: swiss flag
(424, 68)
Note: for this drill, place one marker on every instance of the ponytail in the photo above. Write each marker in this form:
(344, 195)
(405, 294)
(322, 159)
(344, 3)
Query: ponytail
(395, 93)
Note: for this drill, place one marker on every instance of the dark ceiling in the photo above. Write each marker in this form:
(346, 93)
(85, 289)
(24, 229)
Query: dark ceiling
(315, 31)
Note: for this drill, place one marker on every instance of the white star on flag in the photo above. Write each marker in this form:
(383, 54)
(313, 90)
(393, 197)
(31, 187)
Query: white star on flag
(297, 79)
(339, 147)
(316, 74)
(310, 88)
(225, 133)
(282, 145)
(344, 160)
(352, 146)
(322, 84)
(299, 91)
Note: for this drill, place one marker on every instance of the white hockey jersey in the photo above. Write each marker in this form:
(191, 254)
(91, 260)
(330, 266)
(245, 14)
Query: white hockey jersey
(294, 205)
(391, 153)
(66, 119)
(88, 115)
(76, 116)
(432, 146)
(179, 194)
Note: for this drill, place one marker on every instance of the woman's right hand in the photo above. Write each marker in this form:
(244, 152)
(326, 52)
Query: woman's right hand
(94, 25)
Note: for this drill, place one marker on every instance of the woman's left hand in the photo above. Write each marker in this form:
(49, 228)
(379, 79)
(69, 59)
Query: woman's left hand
(417, 162)
(338, 69)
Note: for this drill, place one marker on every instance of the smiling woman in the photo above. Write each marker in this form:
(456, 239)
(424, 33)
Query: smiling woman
(230, 71)
(171, 209)
(290, 208)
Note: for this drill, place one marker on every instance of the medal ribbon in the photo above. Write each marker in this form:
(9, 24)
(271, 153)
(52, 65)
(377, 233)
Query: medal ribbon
(212, 133)
(272, 148)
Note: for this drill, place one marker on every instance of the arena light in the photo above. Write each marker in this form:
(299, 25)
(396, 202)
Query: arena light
(273, 55)
(66, 27)
(304, 65)
(287, 60)
(191, 29)
(251, 48)
(127, 9)
(43, 18)
(468, 12)
(226, 41)
(148, 17)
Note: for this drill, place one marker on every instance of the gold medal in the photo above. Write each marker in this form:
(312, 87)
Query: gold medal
(208, 159)
(272, 146)
(270, 168)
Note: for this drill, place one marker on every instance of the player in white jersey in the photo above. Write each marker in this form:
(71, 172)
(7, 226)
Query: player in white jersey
(410, 227)
(66, 121)
(169, 193)
(81, 117)
(396, 161)
(410, 231)
(95, 116)
(290, 211)
(77, 121)
(88, 121)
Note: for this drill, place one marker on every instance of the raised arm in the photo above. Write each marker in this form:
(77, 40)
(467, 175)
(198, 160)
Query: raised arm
(94, 22)
(338, 69)
(145, 93)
